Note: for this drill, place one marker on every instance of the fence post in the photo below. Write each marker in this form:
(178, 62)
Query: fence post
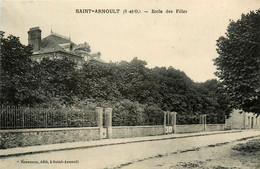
(99, 111)
(11, 111)
(164, 122)
(46, 118)
(66, 122)
(1, 116)
(244, 120)
(202, 121)
(108, 122)
(22, 109)
(8, 117)
(168, 119)
(226, 125)
(205, 122)
(174, 127)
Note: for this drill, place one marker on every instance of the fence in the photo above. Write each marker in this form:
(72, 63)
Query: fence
(216, 119)
(12, 117)
(188, 119)
(47, 120)
(184, 119)
(125, 118)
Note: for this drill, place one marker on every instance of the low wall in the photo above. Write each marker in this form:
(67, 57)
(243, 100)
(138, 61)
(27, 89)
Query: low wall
(32, 137)
(136, 131)
(191, 128)
(215, 127)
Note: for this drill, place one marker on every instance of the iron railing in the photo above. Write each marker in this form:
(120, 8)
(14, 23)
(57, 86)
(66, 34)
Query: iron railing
(14, 117)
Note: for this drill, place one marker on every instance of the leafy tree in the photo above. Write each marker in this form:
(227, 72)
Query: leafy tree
(134, 81)
(215, 102)
(58, 79)
(98, 81)
(174, 89)
(238, 63)
(128, 113)
(154, 115)
(18, 80)
(139, 95)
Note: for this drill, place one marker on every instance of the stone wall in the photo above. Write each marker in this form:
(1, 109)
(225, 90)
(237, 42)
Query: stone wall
(192, 128)
(215, 127)
(137, 131)
(32, 137)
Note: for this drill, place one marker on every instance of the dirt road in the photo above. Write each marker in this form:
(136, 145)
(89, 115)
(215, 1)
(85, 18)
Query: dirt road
(218, 156)
(191, 152)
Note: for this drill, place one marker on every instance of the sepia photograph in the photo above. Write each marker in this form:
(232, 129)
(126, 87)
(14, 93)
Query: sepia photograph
(130, 84)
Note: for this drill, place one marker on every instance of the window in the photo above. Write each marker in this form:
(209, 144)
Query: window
(248, 121)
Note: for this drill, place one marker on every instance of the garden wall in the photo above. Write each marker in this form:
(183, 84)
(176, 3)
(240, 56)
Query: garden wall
(191, 128)
(215, 127)
(136, 131)
(32, 137)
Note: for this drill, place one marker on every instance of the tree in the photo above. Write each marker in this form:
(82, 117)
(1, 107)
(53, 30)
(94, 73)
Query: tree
(58, 78)
(18, 82)
(98, 81)
(134, 81)
(215, 102)
(175, 89)
(238, 63)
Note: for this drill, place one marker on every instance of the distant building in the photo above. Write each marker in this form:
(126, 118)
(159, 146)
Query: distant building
(241, 120)
(56, 46)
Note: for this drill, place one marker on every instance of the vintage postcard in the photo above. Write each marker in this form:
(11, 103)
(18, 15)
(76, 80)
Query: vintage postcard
(132, 84)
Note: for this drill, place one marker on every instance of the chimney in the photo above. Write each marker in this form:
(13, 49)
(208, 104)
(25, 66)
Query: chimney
(98, 55)
(34, 38)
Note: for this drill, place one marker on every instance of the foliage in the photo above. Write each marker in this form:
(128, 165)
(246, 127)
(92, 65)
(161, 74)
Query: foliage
(238, 63)
(137, 94)
(216, 103)
(153, 114)
(128, 113)
(174, 89)
(58, 79)
(97, 80)
(18, 79)
(250, 146)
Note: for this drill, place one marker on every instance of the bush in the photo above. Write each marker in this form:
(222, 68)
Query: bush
(250, 146)
(128, 113)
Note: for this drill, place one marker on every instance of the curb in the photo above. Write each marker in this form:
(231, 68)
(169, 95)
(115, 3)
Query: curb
(109, 144)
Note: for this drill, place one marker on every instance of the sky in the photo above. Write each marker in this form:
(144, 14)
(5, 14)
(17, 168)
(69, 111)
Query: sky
(185, 41)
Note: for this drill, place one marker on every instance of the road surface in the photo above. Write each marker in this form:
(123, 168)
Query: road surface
(153, 154)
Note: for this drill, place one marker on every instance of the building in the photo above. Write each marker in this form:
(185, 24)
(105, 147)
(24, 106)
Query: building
(241, 120)
(56, 46)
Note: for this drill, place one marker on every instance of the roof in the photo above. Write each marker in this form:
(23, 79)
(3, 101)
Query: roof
(58, 43)
(95, 57)
(52, 43)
